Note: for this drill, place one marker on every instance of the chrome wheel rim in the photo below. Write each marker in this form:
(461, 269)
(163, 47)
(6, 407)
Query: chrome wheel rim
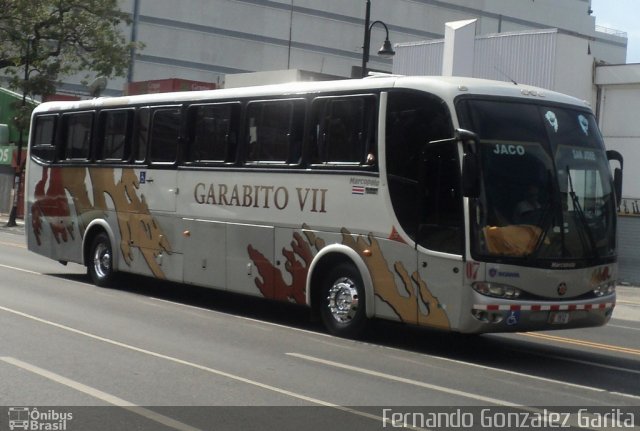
(102, 260)
(343, 300)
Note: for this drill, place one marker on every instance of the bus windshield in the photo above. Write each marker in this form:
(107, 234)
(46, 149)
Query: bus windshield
(546, 191)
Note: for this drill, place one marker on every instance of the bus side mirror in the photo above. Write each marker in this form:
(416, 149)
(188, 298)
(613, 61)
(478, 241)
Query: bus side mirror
(470, 164)
(617, 184)
(617, 174)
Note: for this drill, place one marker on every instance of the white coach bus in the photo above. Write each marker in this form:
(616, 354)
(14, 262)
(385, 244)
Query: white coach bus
(452, 203)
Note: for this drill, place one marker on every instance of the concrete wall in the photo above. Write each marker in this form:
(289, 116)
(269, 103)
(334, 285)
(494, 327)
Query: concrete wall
(618, 106)
(544, 58)
(527, 57)
(574, 68)
(629, 249)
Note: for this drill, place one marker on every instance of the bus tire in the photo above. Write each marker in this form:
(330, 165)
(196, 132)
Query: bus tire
(100, 264)
(343, 307)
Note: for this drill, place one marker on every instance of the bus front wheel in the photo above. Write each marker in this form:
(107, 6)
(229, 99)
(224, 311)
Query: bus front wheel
(100, 265)
(343, 308)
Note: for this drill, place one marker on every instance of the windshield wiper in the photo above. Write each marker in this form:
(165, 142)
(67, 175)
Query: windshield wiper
(581, 216)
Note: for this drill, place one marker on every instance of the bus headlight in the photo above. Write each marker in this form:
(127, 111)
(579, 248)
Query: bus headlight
(496, 290)
(605, 288)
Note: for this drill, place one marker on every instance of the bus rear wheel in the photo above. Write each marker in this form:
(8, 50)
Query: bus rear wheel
(343, 308)
(100, 265)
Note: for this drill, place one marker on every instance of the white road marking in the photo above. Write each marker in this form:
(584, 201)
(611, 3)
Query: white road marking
(248, 319)
(470, 364)
(96, 393)
(573, 421)
(497, 370)
(211, 314)
(165, 301)
(196, 366)
(544, 379)
(418, 383)
(515, 373)
(590, 363)
(13, 244)
(21, 269)
(623, 327)
(441, 358)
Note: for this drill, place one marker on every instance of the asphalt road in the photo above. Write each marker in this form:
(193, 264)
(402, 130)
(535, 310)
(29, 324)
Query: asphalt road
(171, 356)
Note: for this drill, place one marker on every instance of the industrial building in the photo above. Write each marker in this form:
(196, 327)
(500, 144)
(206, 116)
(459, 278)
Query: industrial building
(205, 40)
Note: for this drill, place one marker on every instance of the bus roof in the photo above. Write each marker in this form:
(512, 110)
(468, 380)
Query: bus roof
(446, 87)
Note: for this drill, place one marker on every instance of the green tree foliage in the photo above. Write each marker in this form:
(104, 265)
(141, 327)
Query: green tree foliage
(58, 38)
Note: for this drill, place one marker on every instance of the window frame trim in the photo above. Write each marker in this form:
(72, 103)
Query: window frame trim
(54, 138)
(153, 110)
(374, 139)
(62, 136)
(236, 117)
(129, 137)
(244, 144)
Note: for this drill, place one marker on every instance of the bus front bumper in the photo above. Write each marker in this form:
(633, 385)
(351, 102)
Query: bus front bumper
(512, 316)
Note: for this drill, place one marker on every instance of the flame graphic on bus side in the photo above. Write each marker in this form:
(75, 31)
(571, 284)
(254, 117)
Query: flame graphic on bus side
(137, 227)
(272, 283)
(414, 290)
(51, 205)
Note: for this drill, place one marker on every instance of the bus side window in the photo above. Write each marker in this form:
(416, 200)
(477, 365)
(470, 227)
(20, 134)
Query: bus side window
(344, 131)
(275, 130)
(43, 143)
(77, 129)
(114, 143)
(213, 133)
(165, 133)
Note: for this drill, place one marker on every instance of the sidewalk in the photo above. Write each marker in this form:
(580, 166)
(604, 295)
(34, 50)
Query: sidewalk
(19, 228)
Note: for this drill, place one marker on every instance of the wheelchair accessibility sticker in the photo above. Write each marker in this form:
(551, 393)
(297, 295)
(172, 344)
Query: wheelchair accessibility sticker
(513, 318)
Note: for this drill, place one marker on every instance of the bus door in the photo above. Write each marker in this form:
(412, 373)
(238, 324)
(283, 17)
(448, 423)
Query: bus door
(423, 174)
(158, 135)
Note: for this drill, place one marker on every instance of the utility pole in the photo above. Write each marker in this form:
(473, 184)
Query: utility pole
(367, 39)
(17, 181)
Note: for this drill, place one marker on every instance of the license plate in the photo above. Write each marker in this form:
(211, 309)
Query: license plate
(559, 318)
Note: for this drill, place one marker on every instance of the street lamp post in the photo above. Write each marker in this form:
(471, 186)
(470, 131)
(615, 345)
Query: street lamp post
(18, 176)
(385, 51)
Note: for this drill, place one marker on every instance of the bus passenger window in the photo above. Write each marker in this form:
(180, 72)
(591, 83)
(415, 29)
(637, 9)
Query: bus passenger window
(77, 130)
(43, 144)
(114, 141)
(165, 133)
(275, 131)
(213, 132)
(345, 131)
